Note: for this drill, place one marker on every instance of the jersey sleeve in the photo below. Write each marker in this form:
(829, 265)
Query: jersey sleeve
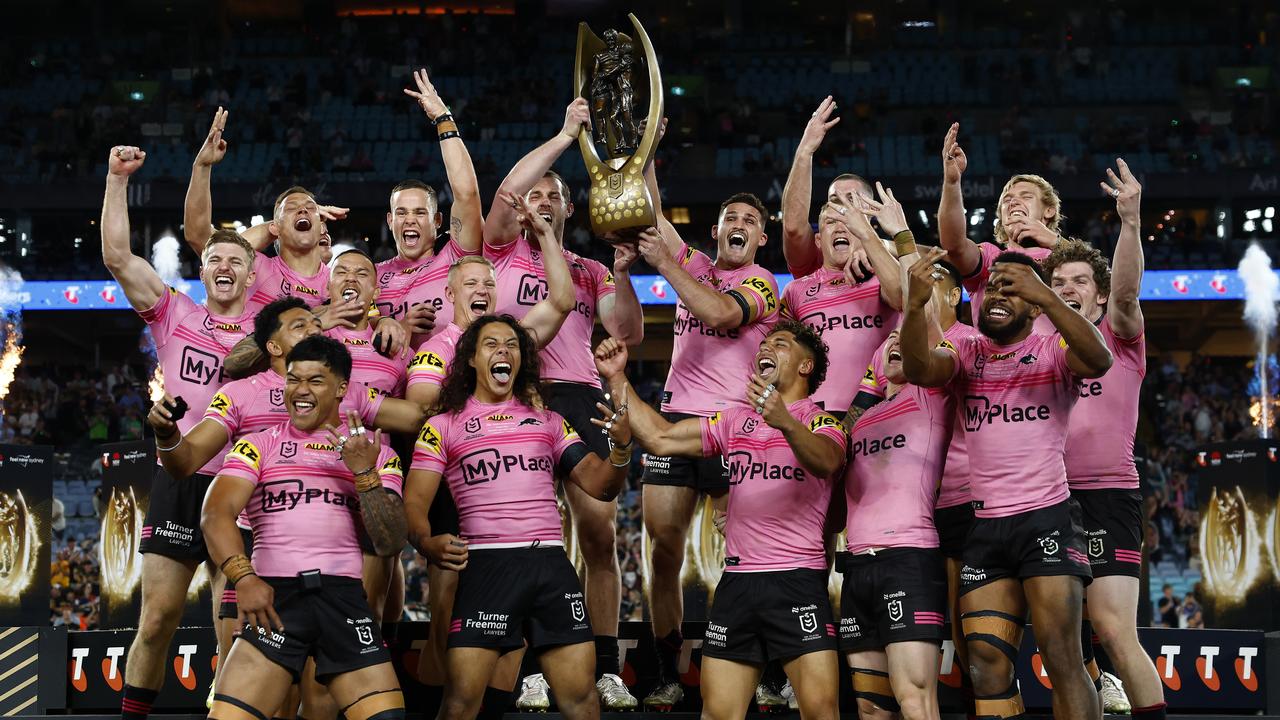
(428, 450)
(800, 270)
(427, 367)
(826, 425)
(1130, 352)
(498, 253)
(872, 381)
(978, 278)
(390, 471)
(245, 459)
(788, 308)
(962, 349)
(601, 278)
(1059, 348)
(368, 403)
(715, 435)
(567, 446)
(452, 251)
(225, 411)
(759, 289)
(163, 317)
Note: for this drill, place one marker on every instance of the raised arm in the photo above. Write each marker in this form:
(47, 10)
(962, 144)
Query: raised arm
(399, 416)
(381, 509)
(923, 363)
(197, 212)
(501, 226)
(140, 282)
(1127, 265)
(465, 221)
(654, 432)
(893, 220)
(545, 318)
(722, 311)
(952, 235)
(604, 479)
(620, 310)
(798, 247)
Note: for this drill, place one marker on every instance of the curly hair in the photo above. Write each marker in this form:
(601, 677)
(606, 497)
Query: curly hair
(460, 383)
(1048, 196)
(812, 341)
(1074, 250)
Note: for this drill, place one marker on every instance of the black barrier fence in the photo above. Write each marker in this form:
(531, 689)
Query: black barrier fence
(1202, 670)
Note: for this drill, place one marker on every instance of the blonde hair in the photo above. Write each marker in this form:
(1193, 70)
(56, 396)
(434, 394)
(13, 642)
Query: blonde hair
(1048, 196)
(229, 237)
(469, 260)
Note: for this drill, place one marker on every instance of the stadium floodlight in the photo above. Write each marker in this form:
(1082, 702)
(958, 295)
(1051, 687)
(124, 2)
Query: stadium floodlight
(1253, 214)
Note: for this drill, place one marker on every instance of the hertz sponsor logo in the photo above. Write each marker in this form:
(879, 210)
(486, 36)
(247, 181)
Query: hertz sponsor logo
(393, 465)
(567, 429)
(428, 360)
(822, 420)
(220, 404)
(765, 289)
(429, 439)
(247, 452)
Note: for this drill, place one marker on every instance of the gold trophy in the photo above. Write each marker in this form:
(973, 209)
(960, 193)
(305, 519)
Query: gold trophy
(619, 204)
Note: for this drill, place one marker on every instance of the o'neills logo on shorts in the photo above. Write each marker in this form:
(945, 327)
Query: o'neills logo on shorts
(980, 411)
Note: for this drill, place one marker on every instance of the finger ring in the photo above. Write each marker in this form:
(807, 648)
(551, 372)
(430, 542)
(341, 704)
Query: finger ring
(935, 275)
(342, 439)
(1115, 192)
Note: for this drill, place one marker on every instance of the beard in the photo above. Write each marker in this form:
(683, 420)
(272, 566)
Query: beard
(1002, 335)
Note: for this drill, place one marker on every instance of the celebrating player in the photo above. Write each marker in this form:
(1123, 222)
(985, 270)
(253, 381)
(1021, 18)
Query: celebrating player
(572, 387)
(172, 544)
(1025, 549)
(1099, 449)
(352, 279)
(772, 602)
(724, 310)
(894, 596)
(411, 284)
(311, 487)
(497, 451)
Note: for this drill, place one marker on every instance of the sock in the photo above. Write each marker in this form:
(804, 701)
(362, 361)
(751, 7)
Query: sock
(606, 655)
(432, 699)
(1086, 646)
(773, 677)
(668, 648)
(1152, 712)
(136, 704)
(495, 704)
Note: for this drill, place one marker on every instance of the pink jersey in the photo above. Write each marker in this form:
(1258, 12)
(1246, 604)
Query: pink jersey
(434, 357)
(304, 509)
(273, 279)
(851, 320)
(1104, 421)
(1015, 402)
(370, 367)
(191, 345)
(976, 283)
(403, 283)
(955, 475)
(898, 449)
(710, 368)
(522, 283)
(499, 461)
(256, 403)
(777, 510)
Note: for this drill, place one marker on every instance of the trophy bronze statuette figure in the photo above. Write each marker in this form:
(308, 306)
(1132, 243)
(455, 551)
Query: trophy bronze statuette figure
(619, 203)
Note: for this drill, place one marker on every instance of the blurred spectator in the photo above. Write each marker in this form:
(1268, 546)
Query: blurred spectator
(1168, 608)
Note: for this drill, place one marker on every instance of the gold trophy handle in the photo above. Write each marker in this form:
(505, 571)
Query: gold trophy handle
(657, 102)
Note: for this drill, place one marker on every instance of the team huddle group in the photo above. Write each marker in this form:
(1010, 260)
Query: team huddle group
(321, 410)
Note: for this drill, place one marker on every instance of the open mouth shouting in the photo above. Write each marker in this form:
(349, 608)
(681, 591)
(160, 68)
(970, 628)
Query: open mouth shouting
(840, 242)
(501, 372)
(895, 355)
(999, 312)
(224, 281)
(350, 293)
(766, 366)
(411, 238)
(1072, 303)
(302, 224)
(479, 306)
(303, 408)
(737, 239)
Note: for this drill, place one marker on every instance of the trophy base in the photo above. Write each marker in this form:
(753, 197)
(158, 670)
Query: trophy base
(623, 236)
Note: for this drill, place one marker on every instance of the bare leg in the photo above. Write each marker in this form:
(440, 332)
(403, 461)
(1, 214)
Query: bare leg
(815, 678)
(728, 687)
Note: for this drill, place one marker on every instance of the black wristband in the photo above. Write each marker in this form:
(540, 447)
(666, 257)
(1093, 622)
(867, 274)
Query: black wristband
(442, 118)
(449, 134)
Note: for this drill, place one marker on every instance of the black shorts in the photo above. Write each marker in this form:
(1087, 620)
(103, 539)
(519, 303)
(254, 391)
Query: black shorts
(577, 404)
(172, 527)
(333, 624)
(1037, 543)
(1112, 520)
(761, 616)
(227, 606)
(953, 528)
(506, 595)
(443, 513)
(896, 595)
(707, 475)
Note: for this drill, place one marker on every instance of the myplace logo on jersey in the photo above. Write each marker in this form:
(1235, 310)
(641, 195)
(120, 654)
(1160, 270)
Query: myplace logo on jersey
(871, 446)
(532, 290)
(282, 495)
(741, 467)
(980, 411)
(822, 322)
(487, 465)
(198, 366)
